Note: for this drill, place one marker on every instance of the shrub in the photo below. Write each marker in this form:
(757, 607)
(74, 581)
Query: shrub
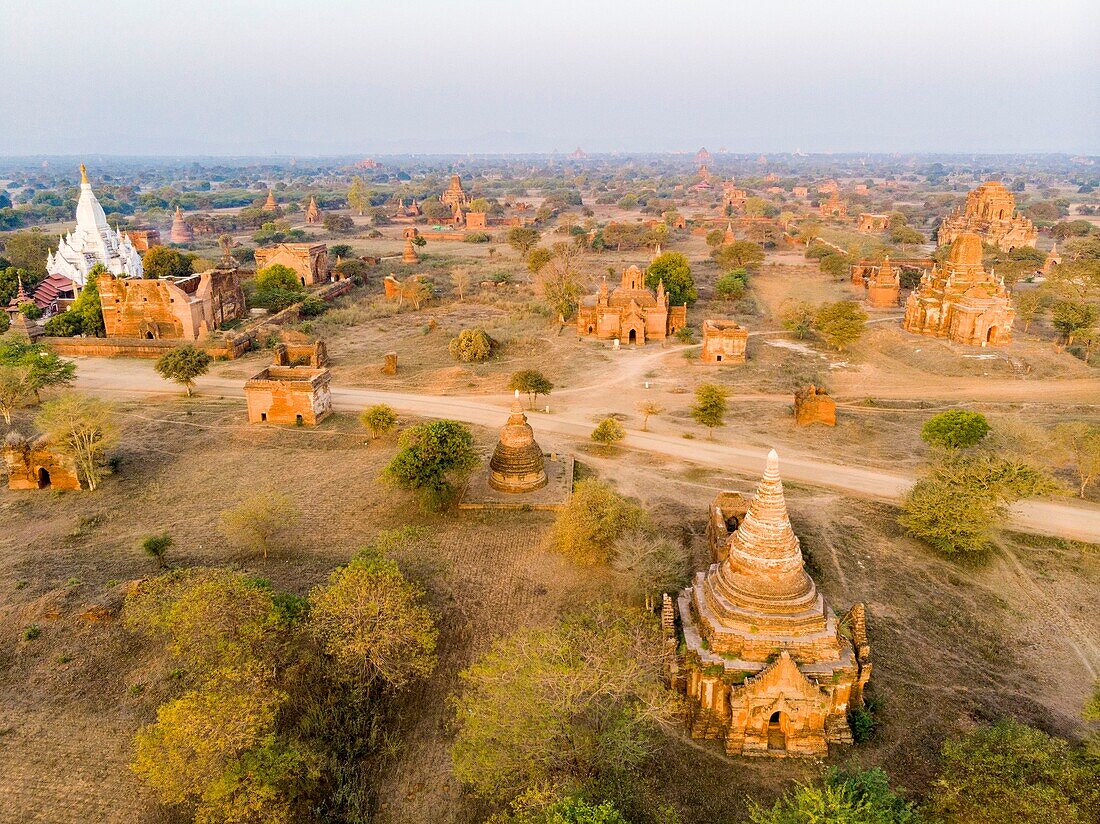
(471, 345)
(476, 237)
(840, 323)
(732, 285)
(955, 429)
(311, 307)
(379, 419)
(608, 431)
(431, 455)
(860, 797)
(595, 517)
(156, 546)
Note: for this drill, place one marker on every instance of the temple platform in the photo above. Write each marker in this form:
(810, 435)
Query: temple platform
(554, 496)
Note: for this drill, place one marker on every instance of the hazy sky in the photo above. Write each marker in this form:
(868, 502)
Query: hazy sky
(317, 77)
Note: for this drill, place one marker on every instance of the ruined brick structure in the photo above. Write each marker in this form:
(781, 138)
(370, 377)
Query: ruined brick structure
(833, 207)
(186, 308)
(308, 260)
(812, 404)
(300, 353)
(31, 464)
(517, 465)
(724, 341)
(144, 239)
(289, 394)
(270, 205)
(632, 313)
(990, 212)
(883, 286)
(477, 220)
(800, 191)
(961, 301)
(1053, 259)
(181, 232)
(409, 255)
(766, 667)
(872, 223)
(727, 510)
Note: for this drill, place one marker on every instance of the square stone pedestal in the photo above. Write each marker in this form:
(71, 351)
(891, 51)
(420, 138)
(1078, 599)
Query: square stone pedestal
(555, 495)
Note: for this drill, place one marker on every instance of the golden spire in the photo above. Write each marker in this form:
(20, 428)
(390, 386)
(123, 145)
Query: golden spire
(83, 173)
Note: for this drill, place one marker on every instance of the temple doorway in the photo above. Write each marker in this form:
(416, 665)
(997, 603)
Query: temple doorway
(43, 478)
(991, 335)
(777, 732)
(149, 336)
(632, 338)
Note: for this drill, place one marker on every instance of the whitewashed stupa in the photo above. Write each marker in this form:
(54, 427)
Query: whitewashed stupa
(92, 242)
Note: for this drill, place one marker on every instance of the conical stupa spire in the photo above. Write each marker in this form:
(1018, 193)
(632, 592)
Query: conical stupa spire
(83, 174)
(765, 558)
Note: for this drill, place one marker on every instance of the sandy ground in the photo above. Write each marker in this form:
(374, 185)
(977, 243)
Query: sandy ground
(1079, 521)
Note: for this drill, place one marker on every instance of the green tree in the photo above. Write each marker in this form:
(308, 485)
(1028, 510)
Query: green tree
(523, 239)
(16, 389)
(183, 365)
(165, 262)
(358, 196)
(471, 346)
(841, 798)
(732, 285)
(1079, 443)
(531, 382)
(28, 250)
(198, 735)
(799, 318)
(964, 497)
(714, 238)
(543, 807)
(672, 269)
(378, 419)
(906, 234)
(576, 702)
(741, 254)
(559, 283)
(649, 565)
(955, 429)
(595, 517)
(82, 428)
(431, 455)
(45, 368)
(841, 323)
(87, 307)
(278, 276)
(1010, 773)
(709, 408)
(1073, 317)
(261, 785)
(157, 546)
(373, 622)
(537, 258)
(608, 432)
(261, 522)
(1030, 304)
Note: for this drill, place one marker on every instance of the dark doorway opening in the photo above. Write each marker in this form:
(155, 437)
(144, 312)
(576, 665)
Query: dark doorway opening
(43, 478)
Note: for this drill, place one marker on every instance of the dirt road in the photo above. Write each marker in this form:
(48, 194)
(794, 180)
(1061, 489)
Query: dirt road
(1079, 521)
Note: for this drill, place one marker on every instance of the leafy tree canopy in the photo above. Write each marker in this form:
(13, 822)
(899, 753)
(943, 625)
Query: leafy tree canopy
(672, 269)
(955, 429)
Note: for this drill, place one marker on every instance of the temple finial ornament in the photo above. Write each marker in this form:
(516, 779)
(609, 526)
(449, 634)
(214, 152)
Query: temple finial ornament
(83, 174)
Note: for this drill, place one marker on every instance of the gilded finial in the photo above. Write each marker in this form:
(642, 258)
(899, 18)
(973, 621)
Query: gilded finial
(83, 173)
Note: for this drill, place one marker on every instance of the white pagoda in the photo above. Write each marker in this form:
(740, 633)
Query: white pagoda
(92, 242)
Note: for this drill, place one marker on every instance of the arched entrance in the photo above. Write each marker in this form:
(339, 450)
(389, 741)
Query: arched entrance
(777, 732)
(991, 334)
(632, 337)
(43, 478)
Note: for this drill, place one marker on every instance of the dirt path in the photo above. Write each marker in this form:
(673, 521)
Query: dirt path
(1078, 521)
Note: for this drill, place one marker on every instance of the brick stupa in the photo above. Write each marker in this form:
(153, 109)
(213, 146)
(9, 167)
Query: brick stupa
(765, 667)
(517, 464)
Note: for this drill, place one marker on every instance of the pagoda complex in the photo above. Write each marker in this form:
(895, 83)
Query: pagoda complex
(455, 196)
(768, 667)
(632, 313)
(961, 301)
(92, 242)
(517, 465)
(990, 212)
